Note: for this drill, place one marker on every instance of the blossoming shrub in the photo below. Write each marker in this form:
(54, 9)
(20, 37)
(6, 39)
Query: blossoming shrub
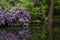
(14, 24)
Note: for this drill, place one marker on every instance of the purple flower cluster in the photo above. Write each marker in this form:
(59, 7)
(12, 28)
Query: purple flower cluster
(11, 16)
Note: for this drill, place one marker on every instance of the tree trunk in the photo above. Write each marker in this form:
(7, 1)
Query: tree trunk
(50, 20)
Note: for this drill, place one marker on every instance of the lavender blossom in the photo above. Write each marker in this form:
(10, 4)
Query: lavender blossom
(12, 16)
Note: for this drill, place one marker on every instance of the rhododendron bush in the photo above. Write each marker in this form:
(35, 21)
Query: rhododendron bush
(14, 23)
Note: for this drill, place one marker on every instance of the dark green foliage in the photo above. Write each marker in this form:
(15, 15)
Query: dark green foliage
(37, 28)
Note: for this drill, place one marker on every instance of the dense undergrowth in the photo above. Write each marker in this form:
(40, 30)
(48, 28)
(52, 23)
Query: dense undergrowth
(38, 30)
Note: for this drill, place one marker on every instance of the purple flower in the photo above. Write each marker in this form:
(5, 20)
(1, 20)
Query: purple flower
(22, 20)
(15, 16)
(21, 33)
(9, 18)
(2, 20)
